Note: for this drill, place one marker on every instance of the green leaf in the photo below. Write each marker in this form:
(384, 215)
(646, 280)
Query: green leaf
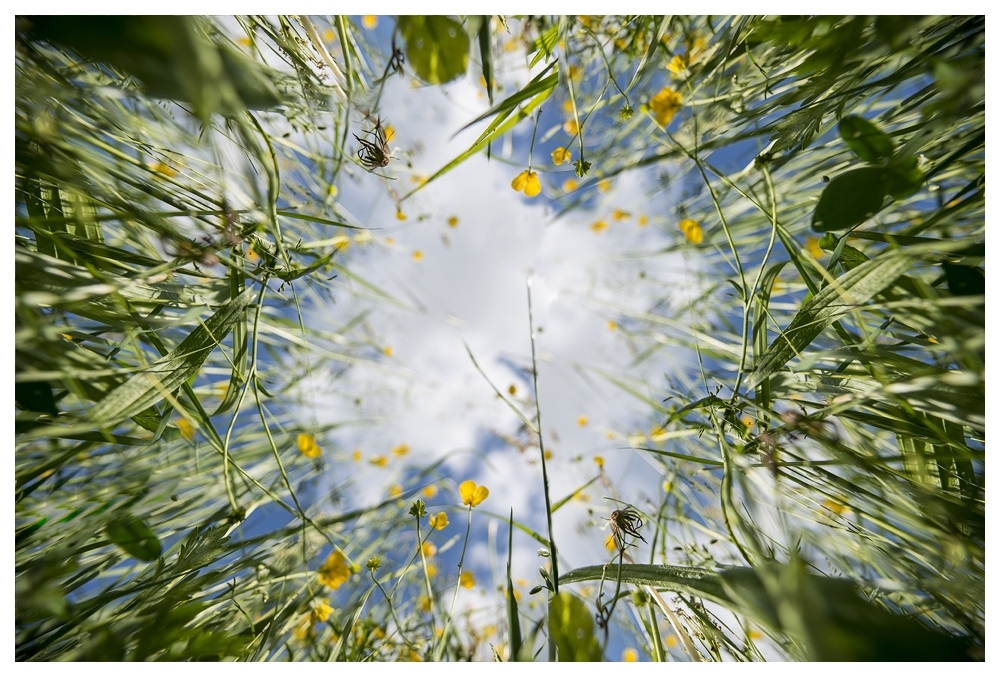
(169, 372)
(436, 46)
(850, 199)
(539, 89)
(544, 44)
(904, 178)
(826, 616)
(572, 629)
(513, 621)
(851, 290)
(866, 140)
(134, 536)
(173, 56)
(486, 54)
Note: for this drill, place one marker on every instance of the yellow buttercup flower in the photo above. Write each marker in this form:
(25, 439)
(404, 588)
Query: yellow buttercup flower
(308, 447)
(569, 185)
(453, 222)
(401, 450)
(561, 155)
(438, 521)
(528, 183)
(430, 491)
(321, 611)
(395, 491)
(334, 571)
(582, 421)
(467, 580)
(630, 655)
(665, 104)
(187, 430)
(429, 549)
(599, 460)
(471, 494)
(604, 185)
(812, 246)
(418, 255)
(677, 65)
(692, 231)
(571, 127)
(598, 226)
(369, 21)
(400, 215)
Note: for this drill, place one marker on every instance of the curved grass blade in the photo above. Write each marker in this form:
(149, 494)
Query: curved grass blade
(168, 373)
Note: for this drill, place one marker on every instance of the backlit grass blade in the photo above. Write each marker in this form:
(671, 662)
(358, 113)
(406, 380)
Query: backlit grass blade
(168, 373)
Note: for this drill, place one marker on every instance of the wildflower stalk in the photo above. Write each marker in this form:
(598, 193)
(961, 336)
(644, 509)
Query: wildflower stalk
(553, 553)
(439, 651)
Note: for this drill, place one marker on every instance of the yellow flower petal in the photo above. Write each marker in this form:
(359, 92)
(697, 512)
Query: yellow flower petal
(692, 231)
(532, 186)
(187, 430)
(308, 447)
(401, 450)
(430, 491)
(520, 181)
(369, 21)
(665, 104)
(630, 655)
(561, 155)
(334, 571)
(471, 494)
(467, 580)
(438, 521)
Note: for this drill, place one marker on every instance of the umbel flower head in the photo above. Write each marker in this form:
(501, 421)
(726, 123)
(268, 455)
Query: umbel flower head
(471, 494)
(528, 183)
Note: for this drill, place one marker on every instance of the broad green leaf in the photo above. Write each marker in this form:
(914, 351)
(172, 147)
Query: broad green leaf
(827, 616)
(172, 56)
(850, 199)
(134, 536)
(571, 626)
(866, 140)
(167, 374)
(437, 47)
(903, 178)
(851, 290)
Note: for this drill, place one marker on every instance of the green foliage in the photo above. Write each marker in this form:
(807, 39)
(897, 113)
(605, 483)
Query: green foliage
(572, 627)
(821, 444)
(436, 46)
